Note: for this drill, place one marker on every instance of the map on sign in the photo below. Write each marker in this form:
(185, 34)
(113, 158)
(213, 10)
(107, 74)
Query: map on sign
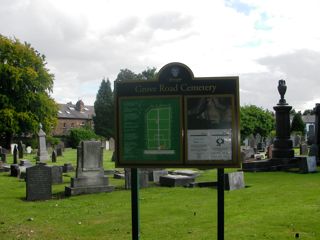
(158, 123)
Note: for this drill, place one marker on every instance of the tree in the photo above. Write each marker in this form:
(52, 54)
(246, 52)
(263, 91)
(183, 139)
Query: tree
(25, 85)
(297, 124)
(104, 110)
(255, 120)
(146, 75)
(307, 112)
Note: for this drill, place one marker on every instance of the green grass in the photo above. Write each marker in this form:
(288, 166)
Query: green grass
(275, 205)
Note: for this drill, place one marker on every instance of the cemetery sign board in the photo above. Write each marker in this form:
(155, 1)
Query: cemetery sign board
(178, 120)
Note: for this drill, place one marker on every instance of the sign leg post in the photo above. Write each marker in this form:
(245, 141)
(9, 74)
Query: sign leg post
(220, 204)
(135, 204)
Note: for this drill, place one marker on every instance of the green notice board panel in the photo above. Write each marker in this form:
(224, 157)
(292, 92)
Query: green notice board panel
(150, 130)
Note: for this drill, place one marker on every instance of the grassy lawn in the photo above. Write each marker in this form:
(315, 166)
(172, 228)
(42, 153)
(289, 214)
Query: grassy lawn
(275, 205)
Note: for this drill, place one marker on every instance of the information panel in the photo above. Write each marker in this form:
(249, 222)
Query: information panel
(178, 120)
(150, 130)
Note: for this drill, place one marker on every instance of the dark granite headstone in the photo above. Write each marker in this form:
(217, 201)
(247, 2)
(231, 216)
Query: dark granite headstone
(38, 180)
(59, 151)
(15, 155)
(234, 180)
(175, 180)
(14, 170)
(155, 175)
(56, 174)
(54, 156)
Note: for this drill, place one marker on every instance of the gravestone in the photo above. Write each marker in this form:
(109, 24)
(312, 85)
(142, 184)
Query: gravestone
(155, 175)
(42, 155)
(308, 164)
(59, 150)
(12, 146)
(107, 145)
(38, 181)
(25, 163)
(234, 180)
(29, 149)
(269, 151)
(14, 170)
(303, 149)
(67, 167)
(143, 178)
(54, 156)
(185, 172)
(89, 173)
(15, 154)
(20, 149)
(56, 174)
(3, 157)
(111, 144)
(296, 141)
(175, 180)
(314, 151)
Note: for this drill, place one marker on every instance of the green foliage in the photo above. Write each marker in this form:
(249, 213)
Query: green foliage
(307, 112)
(53, 141)
(297, 124)
(25, 84)
(255, 120)
(80, 134)
(104, 110)
(128, 75)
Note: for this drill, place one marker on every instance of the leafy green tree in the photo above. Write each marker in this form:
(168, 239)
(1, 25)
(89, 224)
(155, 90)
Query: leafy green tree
(25, 85)
(104, 110)
(128, 75)
(297, 124)
(255, 120)
(81, 134)
(307, 112)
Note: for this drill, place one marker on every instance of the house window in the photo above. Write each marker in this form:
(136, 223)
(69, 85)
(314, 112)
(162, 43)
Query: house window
(64, 125)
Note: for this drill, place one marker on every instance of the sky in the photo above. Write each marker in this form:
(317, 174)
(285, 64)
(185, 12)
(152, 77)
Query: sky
(261, 41)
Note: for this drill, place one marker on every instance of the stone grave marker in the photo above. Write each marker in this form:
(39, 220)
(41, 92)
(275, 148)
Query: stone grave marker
(67, 167)
(143, 178)
(89, 173)
(38, 181)
(175, 180)
(155, 175)
(185, 172)
(269, 151)
(42, 155)
(308, 164)
(59, 151)
(3, 157)
(56, 174)
(20, 149)
(15, 154)
(54, 156)
(296, 141)
(12, 146)
(313, 151)
(303, 149)
(234, 180)
(14, 170)
(111, 144)
(29, 149)
(252, 142)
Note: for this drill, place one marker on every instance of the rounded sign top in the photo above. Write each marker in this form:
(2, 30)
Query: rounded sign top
(175, 72)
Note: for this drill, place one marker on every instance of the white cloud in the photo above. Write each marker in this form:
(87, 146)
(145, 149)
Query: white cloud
(261, 41)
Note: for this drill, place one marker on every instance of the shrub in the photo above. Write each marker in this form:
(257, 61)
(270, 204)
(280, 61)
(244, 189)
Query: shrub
(80, 134)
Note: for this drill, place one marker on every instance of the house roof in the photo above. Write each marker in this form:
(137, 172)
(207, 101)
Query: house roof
(73, 111)
(308, 118)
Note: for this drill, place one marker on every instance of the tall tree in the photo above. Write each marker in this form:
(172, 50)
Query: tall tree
(147, 75)
(297, 124)
(25, 85)
(104, 110)
(255, 120)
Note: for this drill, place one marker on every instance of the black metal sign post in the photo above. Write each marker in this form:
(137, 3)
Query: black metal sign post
(135, 204)
(220, 225)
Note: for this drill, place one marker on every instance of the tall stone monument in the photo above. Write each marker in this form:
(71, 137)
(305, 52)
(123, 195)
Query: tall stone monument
(42, 155)
(282, 147)
(314, 149)
(89, 173)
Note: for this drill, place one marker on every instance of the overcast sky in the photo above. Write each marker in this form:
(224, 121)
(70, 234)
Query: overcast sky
(261, 41)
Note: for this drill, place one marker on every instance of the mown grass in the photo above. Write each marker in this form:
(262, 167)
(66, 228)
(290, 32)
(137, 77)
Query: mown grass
(274, 205)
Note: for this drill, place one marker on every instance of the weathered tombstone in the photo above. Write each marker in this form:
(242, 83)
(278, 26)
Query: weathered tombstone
(156, 174)
(59, 151)
(107, 145)
(296, 141)
(308, 164)
(185, 172)
(25, 163)
(314, 151)
(54, 156)
(56, 175)
(15, 155)
(234, 180)
(90, 174)
(258, 138)
(29, 149)
(175, 180)
(20, 149)
(111, 144)
(303, 149)
(42, 155)
(38, 181)
(67, 167)
(143, 178)
(269, 151)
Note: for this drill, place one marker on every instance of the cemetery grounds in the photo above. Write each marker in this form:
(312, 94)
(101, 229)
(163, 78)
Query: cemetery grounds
(274, 205)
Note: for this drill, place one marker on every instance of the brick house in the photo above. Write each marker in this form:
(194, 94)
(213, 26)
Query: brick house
(73, 116)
